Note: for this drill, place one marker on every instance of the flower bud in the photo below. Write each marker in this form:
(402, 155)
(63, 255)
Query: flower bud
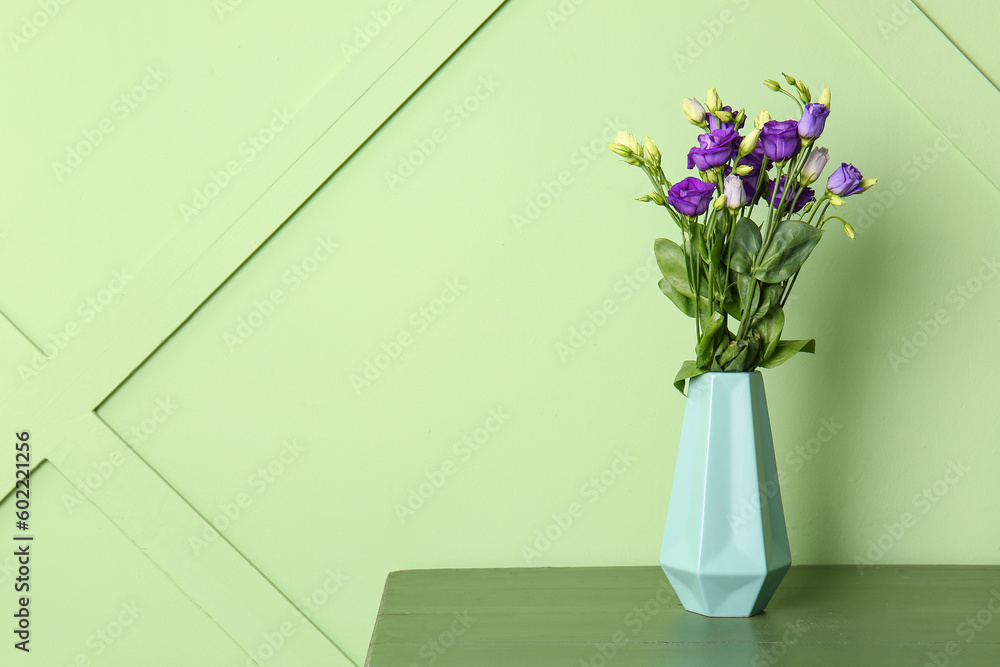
(749, 142)
(713, 100)
(790, 79)
(723, 115)
(628, 140)
(719, 202)
(849, 230)
(814, 166)
(761, 118)
(733, 193)
(651, 150)
(813, 120)
(845, 181)
(803, 92)
(657, 199)
(867, 183)
(694, 111)
(621, 150)
(824, 98)
(743, 170)
(710, 176)
(772, 84)
(740, 117)
(836, 200)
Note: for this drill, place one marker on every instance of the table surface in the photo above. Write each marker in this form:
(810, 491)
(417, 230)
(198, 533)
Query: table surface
(912, 615)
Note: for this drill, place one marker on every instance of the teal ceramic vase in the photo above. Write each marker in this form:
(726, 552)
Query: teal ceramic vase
(725, 548)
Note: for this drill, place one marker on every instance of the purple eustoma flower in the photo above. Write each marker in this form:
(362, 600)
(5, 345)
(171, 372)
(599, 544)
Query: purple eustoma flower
(691, 196)
(780, 139)
(799, 197)
(813, 120)
(714, 149)
(846, 181)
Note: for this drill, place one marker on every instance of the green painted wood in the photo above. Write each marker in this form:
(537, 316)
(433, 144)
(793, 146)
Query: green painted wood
(821, 615)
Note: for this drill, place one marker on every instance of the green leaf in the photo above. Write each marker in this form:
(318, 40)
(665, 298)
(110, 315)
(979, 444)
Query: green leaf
(733, 308)
(716, 256)
(791, 244)
(746, 244)
(769, 327)
(770, 295)
(753, 353)
(720, 349)
(707, 343)
(689, 369)
(712, 363)
(698, 240)
(745, 285)
(730, 353)
(738, 363)
(682, 301)
(786, 349)
(731, 302)
(672, 262)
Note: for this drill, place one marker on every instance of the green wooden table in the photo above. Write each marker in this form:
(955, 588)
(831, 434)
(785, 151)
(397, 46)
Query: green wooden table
(595, 616)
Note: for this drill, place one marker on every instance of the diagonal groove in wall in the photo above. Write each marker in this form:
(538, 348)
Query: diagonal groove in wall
(918, 37)
(221, 536)
(181, 589)
(74, 389)
(272, 190)
(955, 44)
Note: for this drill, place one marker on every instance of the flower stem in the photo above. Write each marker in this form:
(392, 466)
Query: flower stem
(819, 225)
(687, 265)
(729, 260)
(659, 180)
(794, 99)
(760, 180)
(816, 208)
(788, 289)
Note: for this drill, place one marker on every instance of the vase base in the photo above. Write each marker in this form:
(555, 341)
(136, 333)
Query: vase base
(725, 596)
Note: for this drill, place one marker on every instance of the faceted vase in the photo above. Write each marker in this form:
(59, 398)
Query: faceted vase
(725, 548)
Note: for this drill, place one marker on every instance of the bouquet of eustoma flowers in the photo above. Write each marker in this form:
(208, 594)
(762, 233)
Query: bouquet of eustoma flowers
(728, 266)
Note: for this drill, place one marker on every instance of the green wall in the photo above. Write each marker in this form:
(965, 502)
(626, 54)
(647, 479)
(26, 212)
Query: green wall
(312, 308)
